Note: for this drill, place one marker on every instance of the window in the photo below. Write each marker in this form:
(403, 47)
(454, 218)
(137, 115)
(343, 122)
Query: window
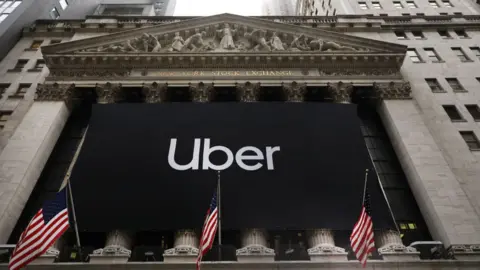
(458, 13)
(460, 54)
(111, 10)
(455, 84)
(4, 115)
(471, 140)
(411, 4)
(54, 13)
(20, 64)
(433, 4)
(55, 41)
(405, 14)
(434, 85)
(376, 5)
(418, 35)
(443, 13)
(7, 7)
(420, 14)
(36, 44)
(444, 34)
(64, 4)
(40, 64)
(447, 3)
(21, 90)
(400, 35)
(363, 5)
(461, 33)
(3, 88)
(474, 110)
(476, 51)
(3, 17)
(432, 55)
(397, 4)
(453, 113)
(414, 57)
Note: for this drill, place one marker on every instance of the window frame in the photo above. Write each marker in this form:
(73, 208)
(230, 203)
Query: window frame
(411, 4)
(418, 37)
(363, 5)
(460, 53)
(416, 55)
(456, 83)
(453, 113)
(434, 83)
(432, 55)
(447, 36)
(468, 141)
(474, 111)
(398, 4)
(464, 35)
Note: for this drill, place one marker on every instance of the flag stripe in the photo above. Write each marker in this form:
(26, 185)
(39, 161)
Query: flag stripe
(362, 238)
(208, 231)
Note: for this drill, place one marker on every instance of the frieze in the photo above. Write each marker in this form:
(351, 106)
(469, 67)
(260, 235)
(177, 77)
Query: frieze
(55, 92)
(392, 90)
(359, 72)
(79, 73)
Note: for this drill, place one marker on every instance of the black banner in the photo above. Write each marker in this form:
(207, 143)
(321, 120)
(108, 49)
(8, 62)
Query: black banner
(283, 166)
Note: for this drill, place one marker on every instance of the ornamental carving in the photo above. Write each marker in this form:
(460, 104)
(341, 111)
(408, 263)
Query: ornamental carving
(155, 93)
(295, 92)
(55, 92)
(359, 72)
(109, 93)
(392, 90)
(201, 92)
(248, 92)
(341, 92)
(108, 73)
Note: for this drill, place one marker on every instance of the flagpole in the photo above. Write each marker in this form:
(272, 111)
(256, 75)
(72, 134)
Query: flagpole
(219, 218)
(365, 186)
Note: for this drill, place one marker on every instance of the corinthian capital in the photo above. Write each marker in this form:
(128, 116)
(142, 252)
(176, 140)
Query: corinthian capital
(341, 92)
(155, 93)
(295, 92)
(393, 90)
(108, 93)
(248, 92)
(201, 92)
(55, 92)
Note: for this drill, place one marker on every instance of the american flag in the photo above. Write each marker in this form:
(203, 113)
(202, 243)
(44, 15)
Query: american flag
(361, 239)
(48, 224)
(209, 230)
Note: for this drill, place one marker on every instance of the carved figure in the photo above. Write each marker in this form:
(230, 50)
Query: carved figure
(257, 38)
(226, 41)
(321, 45)
(276, 43)
(177, 43)
(195, 42)
(299, 43)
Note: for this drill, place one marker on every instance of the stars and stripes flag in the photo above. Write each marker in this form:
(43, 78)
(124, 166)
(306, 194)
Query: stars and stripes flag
(48, 224)
(209, 230)
(361, 239)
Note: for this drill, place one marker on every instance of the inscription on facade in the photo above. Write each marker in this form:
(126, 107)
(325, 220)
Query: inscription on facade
(224, 73)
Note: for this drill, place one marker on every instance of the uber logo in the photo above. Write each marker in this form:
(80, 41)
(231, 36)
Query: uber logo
(244, 153)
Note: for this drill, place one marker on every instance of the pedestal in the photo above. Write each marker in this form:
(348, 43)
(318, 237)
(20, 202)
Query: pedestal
(254, 247)
(465, 252)
(117, 249)
(393, 249)
(323, 247)
(184, 249)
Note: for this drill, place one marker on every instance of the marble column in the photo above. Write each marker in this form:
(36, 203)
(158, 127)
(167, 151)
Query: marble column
(185, 248)
(295, 92)
(201, 92)
(254, 247)
(117, 249)
(108, 93)
(248, 92)
(24, 157)
(155, 93)
(392, 248)
(322, 247)
(341, 92)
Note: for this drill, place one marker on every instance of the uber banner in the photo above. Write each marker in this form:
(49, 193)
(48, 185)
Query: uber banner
(283, 166)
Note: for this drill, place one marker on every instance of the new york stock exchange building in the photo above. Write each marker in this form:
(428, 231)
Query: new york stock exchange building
(144, 115)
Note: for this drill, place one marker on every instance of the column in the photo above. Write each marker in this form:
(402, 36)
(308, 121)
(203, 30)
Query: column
(322, 247)
(201, 92)
(248, 92)
(392, 248)
(341, 92)
(24, 157)
(155, 93)
(117, 249)
(295, 92)
(185, 248)
(254, 247)
(445, 207)
(108, 93)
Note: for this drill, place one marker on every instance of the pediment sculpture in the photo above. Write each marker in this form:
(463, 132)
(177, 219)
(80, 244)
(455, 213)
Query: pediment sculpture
(224, 38)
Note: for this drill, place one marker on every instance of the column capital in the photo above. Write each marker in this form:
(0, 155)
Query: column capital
(185, 248)
(295, 92)
(392, 90)
(254, 247)
(55, 92)
(248, 92)
(117, 248)
(201, 92)
(341, 92)
(392, 247)
(322, 246)
(108, 93)
(155, 93)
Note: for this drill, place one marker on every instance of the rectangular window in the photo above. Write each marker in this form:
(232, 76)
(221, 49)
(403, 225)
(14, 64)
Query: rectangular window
(400, 35)
(36, 44)
(418, 35)
(3, 17)
(455, 84)
(20, 64)
(9, 6)
(460, 54)
(471, 140)
(64, 4)
(55, 41)
(376, 5)
(476, 51)
(4, 116)
(447, 3)
(458, 13)
(411, 4)
(398, 5)
(434, 85)
(414, 57)
(461, 33)
(474, 110)
(363, 5)
(40, 64)
(453, 113)
(432, 55)
(444, 34)
(433, 4)
(123, 11)
(21, 90)
(3, 88)
(443, 13)
(405, 14)
(54, 13)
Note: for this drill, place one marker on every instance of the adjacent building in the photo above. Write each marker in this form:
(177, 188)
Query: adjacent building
(278, 8)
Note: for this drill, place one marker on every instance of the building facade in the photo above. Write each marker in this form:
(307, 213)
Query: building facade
(278, 8)
(415, 73)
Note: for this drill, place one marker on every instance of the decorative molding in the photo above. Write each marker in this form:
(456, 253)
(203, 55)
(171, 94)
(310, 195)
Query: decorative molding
(367, 72)
(155, 93)
(201, 92)
(55, 92)
(109, 93)
(393, 249)
(113, 250)
(295, 92)
(84, 73)
(248, 92)
(392, 90)
(464, 252)
(341, 92)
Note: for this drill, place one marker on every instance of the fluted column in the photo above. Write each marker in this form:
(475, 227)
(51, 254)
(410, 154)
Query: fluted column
(393, 249)
(117, 249)
(155, 93)
(185, 248)
(108, 93)
(341, 92)
(201, 92)
(295, 92)
(248, 92)
(322, 246)
(254, 247)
